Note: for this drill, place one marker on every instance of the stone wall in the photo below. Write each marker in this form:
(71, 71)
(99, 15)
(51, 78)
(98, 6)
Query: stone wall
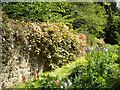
(11, 74)
(19, 69)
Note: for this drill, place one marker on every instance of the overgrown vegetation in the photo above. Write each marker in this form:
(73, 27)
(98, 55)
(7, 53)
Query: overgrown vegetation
(49, 33)
(100, 70)
(52, 43)
(82, 16)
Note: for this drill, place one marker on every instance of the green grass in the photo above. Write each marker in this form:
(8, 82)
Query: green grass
(62, 72)
(66, 70)
(20, 85)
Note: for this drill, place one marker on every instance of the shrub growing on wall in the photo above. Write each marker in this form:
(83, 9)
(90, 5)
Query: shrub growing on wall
(52, 43)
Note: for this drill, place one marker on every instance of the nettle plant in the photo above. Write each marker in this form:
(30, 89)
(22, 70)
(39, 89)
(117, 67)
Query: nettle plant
(53, 44)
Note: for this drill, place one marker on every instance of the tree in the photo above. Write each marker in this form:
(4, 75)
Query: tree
(83, 17)
(112, 32)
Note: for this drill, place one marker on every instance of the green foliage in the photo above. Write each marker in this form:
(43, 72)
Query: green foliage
(47, 82)
(65, 70)
(91, 41)
(90, 18)
(52, 43)
(100, 71)
(112, 31)
(47, 79)
(118, 52)
(83, 16)
(117, 27)
(39, 11)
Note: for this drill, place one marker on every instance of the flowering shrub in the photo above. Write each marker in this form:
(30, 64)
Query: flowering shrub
(51, 43)
(54, 43)
(102, 71)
